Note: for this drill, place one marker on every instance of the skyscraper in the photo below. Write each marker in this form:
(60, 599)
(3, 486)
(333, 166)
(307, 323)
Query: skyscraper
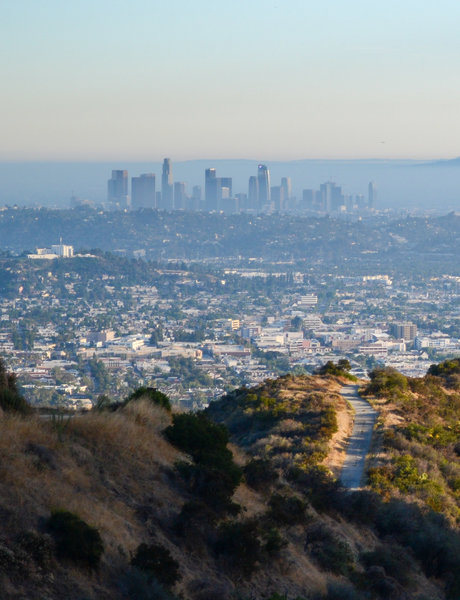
(277, 195)
(180, 197)
(210, 190)
(215, 189)
(167, 186)
(372, 194)
(226, 182)
(143, 191)
(287, 189)
(263, 178)
(253, 192)
(117, 190)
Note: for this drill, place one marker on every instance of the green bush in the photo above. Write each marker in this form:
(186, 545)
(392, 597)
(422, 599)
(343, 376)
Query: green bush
(329, 549)
(287, 509)
(318, 485)
(215, 486)
(274, 541)
(341, 369)
(152, 394)
(385, 382)
(215, 476)
(138, 585)
(396, 561)
(238, 542)
(75, 540)
(259, 474)
(10, 398)
(157, 563)
(195, 434)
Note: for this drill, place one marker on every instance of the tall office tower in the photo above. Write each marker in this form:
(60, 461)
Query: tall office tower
(331, 196)
(117, 190)
(143, 193)
(242, 201)
(277, 195)
(372, 195)
(287, 189)
(326, 196)
(196, 193)
(349, 205)
(263, 177)
(253, 192)
(180, 197)
(226, 182)
(167, 186)
(210, 190)
(360, 201)
(308, 199)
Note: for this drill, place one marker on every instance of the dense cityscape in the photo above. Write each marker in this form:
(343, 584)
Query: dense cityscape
(78, 324)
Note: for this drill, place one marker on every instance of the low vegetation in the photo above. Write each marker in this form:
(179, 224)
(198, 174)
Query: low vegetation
(422, 450)
(161, 505)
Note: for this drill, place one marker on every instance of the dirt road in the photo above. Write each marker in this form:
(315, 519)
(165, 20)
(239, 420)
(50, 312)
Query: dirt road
(360, 440)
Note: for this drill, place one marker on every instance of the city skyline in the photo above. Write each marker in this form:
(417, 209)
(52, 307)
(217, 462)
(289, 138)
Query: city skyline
(108, 81)
(260, 196)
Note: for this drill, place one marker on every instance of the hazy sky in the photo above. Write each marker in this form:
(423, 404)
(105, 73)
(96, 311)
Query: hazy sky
(278, 79)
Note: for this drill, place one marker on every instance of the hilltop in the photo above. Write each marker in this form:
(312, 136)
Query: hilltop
(134, 501)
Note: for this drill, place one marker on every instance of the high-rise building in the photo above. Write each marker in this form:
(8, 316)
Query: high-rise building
(226, 182)
(406, 331)
(263, 178)
(277, 196)
(216, 188)
(372, 195)
(308, 199)
(180, 197)
(167, 191)
(210, 190)
(331, 196)
(117, 190)
(287, 188)
(253, 192)
(143, 193)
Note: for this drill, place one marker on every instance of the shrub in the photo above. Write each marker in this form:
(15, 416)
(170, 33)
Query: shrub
(157, 563)
(139, 586)
(341, 369)
(215, 476)
(196, 435)
(259, 473)
(10, 398)
(396, 561)
(152, 394)
(359, 506)
(274, 541)
(214, 486)
(287, 509)
(195, 518)
(75, 540)
(239, 542)
(387, 381)
(318, 485)
(331, 551)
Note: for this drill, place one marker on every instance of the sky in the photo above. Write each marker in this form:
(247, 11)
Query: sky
(270, 80)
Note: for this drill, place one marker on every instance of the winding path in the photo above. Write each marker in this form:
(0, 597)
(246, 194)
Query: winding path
(359, 442)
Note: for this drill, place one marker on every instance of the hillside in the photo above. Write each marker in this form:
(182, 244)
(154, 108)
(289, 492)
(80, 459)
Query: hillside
(419, 451)
(161, 508)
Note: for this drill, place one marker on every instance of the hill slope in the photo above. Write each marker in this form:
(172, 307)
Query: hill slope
(268, 520)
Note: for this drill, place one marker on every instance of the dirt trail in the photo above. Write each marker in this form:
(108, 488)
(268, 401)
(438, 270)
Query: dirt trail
(360, 440)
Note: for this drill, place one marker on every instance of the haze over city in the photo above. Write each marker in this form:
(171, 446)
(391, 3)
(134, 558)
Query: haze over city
(257, 80)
